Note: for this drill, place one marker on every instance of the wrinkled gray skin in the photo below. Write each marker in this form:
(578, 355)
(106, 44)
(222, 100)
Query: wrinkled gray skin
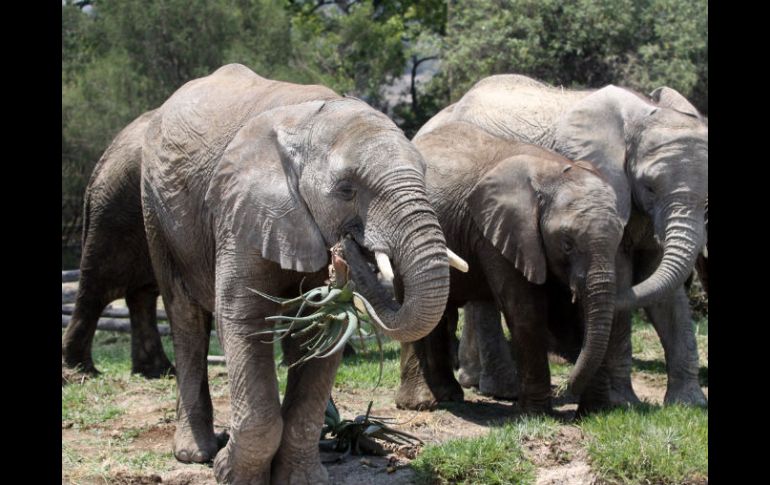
(246, 183)
(521, 217)
(654, 152)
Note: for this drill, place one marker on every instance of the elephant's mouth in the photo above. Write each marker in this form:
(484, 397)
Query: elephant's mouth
(375, 263)
(386, 282)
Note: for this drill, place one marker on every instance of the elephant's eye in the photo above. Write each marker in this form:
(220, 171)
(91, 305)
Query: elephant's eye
(567, 245)
(344, 190)
(648, 189)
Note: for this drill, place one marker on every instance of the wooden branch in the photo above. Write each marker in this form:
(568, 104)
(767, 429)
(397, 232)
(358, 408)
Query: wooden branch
(415, 64)
(216, 359)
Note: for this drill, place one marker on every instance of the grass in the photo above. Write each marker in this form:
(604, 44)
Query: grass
(645, 444)
(497, 458)
(649, 444)
(361, 371)
(113, 458)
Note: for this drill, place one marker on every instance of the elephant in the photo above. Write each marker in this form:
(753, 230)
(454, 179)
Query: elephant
(525, 219)
(244, 184)
(654, 153)
(116, 260)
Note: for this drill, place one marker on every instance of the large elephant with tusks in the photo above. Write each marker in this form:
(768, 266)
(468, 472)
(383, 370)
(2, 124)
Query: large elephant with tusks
(245, 183)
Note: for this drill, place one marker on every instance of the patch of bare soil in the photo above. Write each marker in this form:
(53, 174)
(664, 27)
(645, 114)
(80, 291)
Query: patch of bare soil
(560, 460)
(122, 478)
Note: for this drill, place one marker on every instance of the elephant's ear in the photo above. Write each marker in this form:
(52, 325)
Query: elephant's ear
(504, 204)
(671, 98)
(254, 192)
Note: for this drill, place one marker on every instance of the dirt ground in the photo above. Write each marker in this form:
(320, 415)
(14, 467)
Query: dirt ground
(560, 461)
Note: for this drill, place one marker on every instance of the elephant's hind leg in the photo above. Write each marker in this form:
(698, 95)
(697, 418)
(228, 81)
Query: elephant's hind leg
(147, 356)
(194, 439)
(468, 352)
(308, 388)
(91, 300)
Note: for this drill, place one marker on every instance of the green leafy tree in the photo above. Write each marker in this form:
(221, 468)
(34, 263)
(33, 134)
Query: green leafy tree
(585, 43)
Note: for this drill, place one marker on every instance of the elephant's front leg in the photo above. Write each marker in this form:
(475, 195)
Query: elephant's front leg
(525, 318)
(525, 309)
(619, 352)
(672, 320)
(308, 390)
(673, 323)
(427, 377)
(256, 425)
(487, 354)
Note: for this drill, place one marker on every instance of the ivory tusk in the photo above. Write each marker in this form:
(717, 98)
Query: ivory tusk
(383, 263)
(456, 261)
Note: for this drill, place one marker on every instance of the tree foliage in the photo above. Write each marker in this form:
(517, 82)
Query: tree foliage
(121, 58)
(641, 44)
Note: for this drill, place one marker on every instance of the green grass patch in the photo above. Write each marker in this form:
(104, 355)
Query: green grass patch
(362, 370)
(92, 402)
(113, 458)
(647, 444)
(496, 458)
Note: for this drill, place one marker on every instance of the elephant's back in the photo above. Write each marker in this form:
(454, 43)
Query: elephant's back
(198, 121)
(516, 107)
(193, 128)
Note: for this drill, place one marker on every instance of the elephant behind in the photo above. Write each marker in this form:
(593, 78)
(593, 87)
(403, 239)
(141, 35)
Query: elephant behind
(654, 153)
(245, 183)
(524, 218)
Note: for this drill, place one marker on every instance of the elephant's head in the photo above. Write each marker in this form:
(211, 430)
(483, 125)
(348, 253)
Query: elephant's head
(548, 215)
(298, 179)
(655, 156)
(668, 169)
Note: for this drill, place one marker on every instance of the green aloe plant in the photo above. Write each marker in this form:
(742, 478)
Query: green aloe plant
(357, 436)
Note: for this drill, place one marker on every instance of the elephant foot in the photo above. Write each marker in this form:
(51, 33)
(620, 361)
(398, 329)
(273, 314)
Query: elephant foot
(468, 377)
(226, 473)
(586, 407)
(622, 394)
(194, 446)
(688, 393)
(539, 402)
(501, 385)
(535, 406)
(290, 472)
(77, 371)
(155, 369)
(422, 397)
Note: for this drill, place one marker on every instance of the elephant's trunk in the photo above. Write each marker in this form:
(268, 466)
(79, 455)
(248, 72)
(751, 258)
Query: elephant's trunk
(419, 256)
(598, 300)
(683, 239)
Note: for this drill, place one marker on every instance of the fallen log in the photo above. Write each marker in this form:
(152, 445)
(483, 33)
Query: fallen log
(123, 325)
(69, 292)
(115, 325)
(69, 276)
(68, 308)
